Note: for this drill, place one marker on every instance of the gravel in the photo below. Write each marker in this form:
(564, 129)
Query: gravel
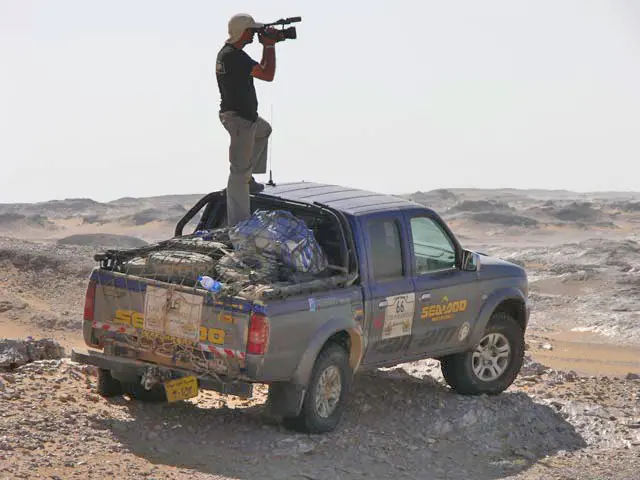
(401, 422)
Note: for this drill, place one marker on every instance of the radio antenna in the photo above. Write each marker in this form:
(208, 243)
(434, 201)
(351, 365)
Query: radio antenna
(270, 182)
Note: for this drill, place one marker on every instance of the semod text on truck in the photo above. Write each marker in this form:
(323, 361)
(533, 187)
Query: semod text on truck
(322, 282)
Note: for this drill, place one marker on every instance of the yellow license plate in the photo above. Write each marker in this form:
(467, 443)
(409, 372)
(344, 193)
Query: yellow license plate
(181, 388)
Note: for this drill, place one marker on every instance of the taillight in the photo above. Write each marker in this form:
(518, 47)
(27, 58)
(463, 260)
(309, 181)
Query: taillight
(90, 301)
(258, 337)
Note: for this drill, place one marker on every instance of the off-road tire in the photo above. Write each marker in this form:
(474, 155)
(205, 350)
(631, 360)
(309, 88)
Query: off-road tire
(107, 385)
(136, 391)
(308, 420)
(458, 371)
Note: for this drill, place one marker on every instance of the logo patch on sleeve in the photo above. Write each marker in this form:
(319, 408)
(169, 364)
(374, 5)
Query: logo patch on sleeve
(220, 67)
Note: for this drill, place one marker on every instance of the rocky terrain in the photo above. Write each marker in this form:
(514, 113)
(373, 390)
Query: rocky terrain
(573, 413)
(401, 423)
(149, 219)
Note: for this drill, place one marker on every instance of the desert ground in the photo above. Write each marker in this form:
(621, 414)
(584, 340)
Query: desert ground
(573, 413)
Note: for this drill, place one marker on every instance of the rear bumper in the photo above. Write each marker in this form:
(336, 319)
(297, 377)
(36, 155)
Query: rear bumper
(127, 366)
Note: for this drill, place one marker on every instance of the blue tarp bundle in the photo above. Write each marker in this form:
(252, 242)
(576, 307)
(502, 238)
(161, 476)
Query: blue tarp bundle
(281, 235)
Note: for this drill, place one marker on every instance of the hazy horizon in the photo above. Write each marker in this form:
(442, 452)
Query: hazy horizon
(631, 193)
(105, 101)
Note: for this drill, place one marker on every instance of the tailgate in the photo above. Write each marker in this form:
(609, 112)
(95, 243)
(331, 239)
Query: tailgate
(166, 323)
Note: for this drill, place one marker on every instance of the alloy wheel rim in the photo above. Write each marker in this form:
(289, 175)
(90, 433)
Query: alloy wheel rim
(328, 391)
(490, 358)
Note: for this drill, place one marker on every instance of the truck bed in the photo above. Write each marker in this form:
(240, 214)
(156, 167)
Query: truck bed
(147, 303)
(178, 323)
(187, 327)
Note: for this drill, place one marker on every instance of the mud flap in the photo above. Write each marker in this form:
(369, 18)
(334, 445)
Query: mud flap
(285, 399)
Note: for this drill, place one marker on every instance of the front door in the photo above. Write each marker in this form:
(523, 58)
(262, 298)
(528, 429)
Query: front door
(446, 296)
(389, 294)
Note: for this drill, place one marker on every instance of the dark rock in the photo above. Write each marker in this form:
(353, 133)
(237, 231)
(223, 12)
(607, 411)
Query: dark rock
(506, 219)
(530, 367)
(103, 240)
(11, 303)
(15, 353)
(481, 206)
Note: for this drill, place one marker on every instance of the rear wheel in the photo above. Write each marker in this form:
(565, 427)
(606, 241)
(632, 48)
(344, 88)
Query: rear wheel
(107, 385)
(327, 391)
(492, 366)
(136, 391)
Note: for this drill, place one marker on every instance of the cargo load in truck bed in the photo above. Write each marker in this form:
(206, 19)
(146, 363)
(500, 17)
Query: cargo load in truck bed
(266, 256)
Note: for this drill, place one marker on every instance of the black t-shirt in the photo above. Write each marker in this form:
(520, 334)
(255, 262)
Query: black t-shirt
(233, 73)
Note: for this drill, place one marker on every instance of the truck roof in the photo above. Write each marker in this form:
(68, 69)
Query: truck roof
(348, 200)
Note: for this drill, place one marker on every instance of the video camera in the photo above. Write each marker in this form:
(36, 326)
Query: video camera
(280, 35)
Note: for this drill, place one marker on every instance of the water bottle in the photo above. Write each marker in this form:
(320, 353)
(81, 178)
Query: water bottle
(209, 283)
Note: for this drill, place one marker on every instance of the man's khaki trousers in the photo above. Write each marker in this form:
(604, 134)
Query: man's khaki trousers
(247, 155)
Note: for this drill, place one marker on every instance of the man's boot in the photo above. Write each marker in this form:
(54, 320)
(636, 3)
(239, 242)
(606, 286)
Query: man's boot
(255, 187)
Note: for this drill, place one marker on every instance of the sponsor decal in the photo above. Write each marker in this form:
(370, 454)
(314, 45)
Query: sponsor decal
(445, 310)
(136, 320)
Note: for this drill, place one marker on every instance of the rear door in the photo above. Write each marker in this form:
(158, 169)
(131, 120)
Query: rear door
(389, 291)
(446, 296)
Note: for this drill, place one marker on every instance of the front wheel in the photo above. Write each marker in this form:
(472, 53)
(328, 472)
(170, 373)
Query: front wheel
(328, 388)
(493, 365)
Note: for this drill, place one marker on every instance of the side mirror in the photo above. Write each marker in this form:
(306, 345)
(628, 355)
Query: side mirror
(471, 262)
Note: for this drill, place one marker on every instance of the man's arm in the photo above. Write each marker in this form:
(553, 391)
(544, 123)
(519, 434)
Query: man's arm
(266, 69)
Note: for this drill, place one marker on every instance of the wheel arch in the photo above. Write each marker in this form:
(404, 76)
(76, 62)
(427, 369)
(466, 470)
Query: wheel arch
(515, 308)
(343, 332)
(509, 300)
(351, 340)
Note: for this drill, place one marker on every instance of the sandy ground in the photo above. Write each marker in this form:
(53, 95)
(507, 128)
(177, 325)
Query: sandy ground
(587, 354)
(574, 412)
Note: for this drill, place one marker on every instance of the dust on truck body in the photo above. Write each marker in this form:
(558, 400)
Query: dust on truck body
(397, 287)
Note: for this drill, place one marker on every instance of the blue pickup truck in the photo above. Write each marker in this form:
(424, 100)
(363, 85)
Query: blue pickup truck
(398, 288)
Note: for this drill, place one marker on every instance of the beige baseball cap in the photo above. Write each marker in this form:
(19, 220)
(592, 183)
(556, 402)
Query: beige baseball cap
(238, 24)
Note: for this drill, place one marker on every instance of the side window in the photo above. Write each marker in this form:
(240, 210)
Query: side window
(433, 250)
(386, 249)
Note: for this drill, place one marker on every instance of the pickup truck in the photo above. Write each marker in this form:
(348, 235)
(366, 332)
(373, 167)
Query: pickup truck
(400, 288)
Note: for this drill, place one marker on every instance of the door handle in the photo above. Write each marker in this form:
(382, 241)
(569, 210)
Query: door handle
(383, 304)
(425, 296)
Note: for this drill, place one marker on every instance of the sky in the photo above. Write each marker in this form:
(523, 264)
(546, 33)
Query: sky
(119, 98)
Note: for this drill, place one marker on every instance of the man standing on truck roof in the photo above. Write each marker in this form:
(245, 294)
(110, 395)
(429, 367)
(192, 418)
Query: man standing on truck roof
(235, 71)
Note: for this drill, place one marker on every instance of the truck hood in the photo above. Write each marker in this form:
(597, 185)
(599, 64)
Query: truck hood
(492, 267)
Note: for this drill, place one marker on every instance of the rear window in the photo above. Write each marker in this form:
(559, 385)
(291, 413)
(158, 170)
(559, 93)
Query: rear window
(385, 249)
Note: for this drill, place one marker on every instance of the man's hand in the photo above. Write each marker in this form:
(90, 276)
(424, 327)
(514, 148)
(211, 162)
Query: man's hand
(264, 40)
(266, 69)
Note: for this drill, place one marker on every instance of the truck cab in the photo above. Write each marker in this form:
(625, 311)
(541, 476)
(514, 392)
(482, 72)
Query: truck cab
(423, 290)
